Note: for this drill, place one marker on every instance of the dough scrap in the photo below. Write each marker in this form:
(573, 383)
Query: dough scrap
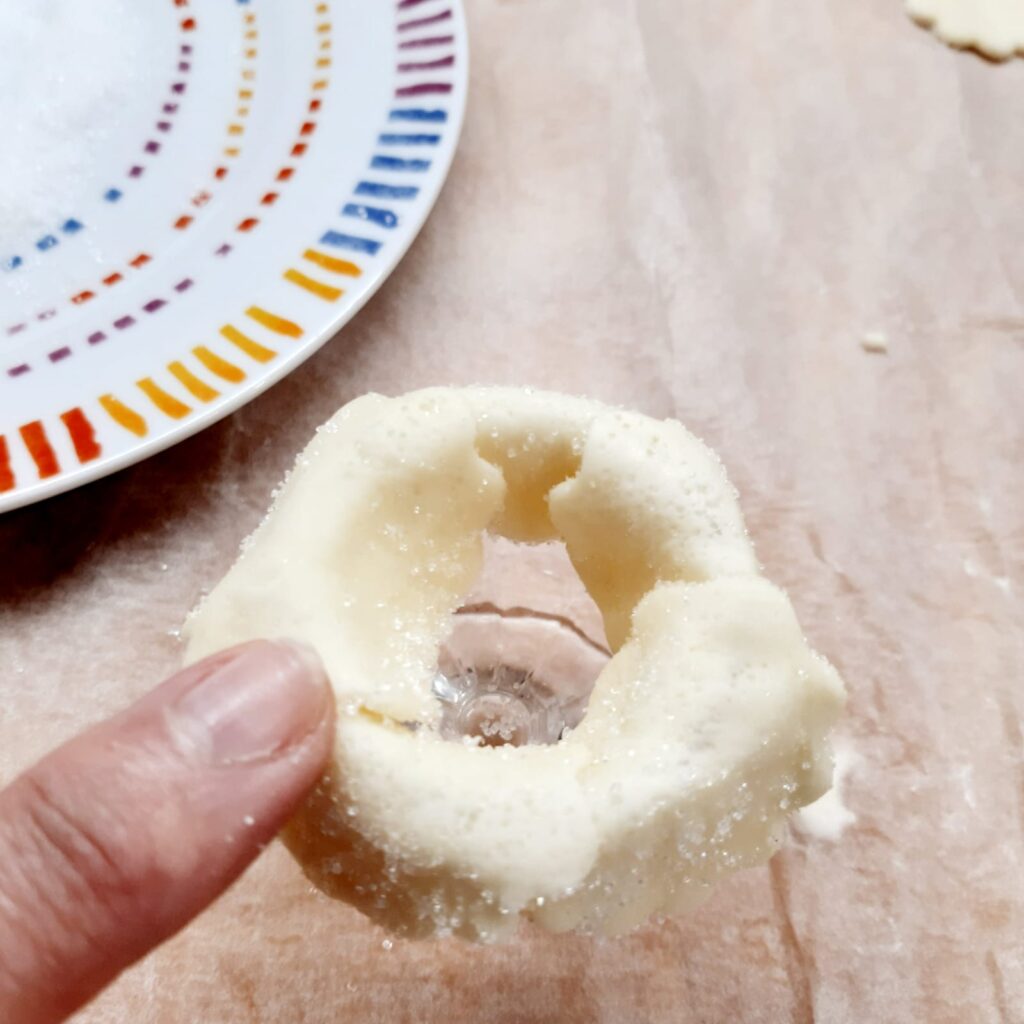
(706, 728)
(992, 27)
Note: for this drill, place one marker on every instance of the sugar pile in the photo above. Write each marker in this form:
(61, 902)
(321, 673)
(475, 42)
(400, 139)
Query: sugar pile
(69, 71)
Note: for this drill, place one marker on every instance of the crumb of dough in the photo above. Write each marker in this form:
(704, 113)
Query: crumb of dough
(994, 28)
(874, 341)
(829, 817)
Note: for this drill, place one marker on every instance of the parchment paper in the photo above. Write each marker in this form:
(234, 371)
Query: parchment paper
(696, 209)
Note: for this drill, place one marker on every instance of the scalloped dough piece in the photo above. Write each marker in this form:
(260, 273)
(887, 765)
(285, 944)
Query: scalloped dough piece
(993, 27)
(706, 728)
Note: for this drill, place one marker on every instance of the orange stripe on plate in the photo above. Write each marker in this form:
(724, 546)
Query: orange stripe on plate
(251, 348)
(318, 288)
(82, 297)
(332, 263)
(221, 367)
(38, 445)
(82, 434)
(248, 224)
(323, 62)
(236, 129)
(197, 387)
(123, 416)
(323, 27)
(162, 400)
(245, 94)
(320, 83)
(6, 474)
(276, 323)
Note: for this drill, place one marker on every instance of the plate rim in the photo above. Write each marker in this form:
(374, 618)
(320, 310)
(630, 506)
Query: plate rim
(83, 474)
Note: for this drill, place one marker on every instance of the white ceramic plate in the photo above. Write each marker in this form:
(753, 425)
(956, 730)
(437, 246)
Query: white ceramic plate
(288, 156)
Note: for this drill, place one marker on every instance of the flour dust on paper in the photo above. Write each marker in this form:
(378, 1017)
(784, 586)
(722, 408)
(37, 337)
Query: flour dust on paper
(992, 27)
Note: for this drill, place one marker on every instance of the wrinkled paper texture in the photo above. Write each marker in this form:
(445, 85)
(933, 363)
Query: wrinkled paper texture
(697, 210)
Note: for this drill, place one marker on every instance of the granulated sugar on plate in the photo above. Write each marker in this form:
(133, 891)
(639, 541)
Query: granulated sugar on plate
(72, 75)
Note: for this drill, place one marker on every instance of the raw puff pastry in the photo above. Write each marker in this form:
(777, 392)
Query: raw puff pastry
(706, 728)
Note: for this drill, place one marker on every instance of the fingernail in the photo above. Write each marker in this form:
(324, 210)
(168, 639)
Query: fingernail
(263, 701)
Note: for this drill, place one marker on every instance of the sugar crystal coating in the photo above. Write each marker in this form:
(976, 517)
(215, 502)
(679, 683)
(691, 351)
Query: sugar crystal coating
(706, 728)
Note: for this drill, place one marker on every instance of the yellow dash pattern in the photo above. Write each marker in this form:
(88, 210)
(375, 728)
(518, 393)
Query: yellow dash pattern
(235, 129)
(197, 387)
(323, 62)
(162, 400)
(251, 348)
(276, 323)
(318, 288)
(324, 26)
(120, 413)
(320, 83)
(332, 263)
(221, 367)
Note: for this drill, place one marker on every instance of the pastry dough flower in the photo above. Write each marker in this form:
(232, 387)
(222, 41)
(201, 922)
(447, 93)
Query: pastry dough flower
(705, 729)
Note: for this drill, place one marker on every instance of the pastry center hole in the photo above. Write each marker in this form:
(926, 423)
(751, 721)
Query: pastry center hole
(524, 651)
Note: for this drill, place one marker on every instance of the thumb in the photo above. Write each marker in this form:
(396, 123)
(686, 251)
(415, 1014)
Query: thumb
(114, 841)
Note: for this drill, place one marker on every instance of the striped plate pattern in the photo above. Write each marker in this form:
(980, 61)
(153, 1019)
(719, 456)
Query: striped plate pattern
(294, 152)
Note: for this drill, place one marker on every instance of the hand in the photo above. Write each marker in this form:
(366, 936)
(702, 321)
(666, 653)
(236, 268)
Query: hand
(113, 842)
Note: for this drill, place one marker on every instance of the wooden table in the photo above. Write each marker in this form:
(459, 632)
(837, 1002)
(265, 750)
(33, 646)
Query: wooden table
(695, 209)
